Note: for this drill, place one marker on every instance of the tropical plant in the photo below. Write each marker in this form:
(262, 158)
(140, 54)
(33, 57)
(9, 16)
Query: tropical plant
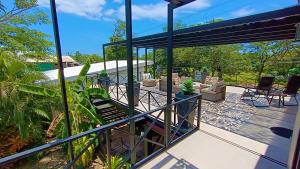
(187, 87)
(82, 112)
(116, 162)
(20, 109)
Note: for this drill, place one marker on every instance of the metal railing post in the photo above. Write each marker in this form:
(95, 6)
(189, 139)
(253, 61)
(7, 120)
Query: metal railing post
(149, 107)
(199, 111)
(108, 148)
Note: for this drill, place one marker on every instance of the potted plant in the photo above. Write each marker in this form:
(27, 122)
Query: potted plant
(104, 80)
(186, 107)
(204, 74)
(136, 91)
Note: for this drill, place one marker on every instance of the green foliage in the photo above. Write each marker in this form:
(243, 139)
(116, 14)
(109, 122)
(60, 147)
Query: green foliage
(17, 35)
(116, 162)
(187, 87)
(261, 54)
(294, 71)
(19, 109)
(103, 73)
(82, 112)
(114, 52)
(86, 58)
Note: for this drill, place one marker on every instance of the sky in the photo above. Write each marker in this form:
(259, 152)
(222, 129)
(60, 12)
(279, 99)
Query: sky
(87, 24)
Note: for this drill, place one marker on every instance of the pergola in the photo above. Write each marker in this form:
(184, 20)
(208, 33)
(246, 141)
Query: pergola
(274, 25)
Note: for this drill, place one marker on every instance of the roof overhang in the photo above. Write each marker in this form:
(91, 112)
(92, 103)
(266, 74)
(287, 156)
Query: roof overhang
(179, 3)
(273, 25)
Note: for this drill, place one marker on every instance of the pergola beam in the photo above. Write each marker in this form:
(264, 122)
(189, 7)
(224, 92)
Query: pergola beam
(278, 20)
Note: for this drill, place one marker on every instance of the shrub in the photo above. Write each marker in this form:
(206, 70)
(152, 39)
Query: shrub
(103, 73)
(187, 87)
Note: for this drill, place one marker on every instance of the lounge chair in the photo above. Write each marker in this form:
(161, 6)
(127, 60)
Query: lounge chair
(290, 90)
(262, 90)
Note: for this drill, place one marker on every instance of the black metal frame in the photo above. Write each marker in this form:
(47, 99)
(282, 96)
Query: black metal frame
(273, 25)
(61, 74)
(258, 27)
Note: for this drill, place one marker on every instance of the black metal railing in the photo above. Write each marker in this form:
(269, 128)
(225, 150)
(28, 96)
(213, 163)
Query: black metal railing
(182, 125)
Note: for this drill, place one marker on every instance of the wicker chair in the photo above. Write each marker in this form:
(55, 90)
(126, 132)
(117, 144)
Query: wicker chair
(148, 81)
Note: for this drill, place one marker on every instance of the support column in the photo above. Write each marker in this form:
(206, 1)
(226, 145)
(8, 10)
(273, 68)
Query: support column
(167, 114)
(146, 60)
(117, 70)
(104, 57)
(61, 74)
(137, 65)
(130, 76)
(154, 63)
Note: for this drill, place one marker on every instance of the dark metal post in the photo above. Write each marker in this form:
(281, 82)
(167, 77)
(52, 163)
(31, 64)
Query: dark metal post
(108, 147)
(149, 107)
(199, 111)
(130, 76)
(146, 60)
(104, 57)
(61, 74)
(154, 63)
(117, 69)
(167, 114)
(137, 65)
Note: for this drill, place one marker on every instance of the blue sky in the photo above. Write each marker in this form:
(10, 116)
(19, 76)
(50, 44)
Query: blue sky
(86, 24)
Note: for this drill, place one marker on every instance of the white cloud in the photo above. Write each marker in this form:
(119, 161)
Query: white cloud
(194, 6)
(158, 11)
(92, 9)
(118, 1)
(245, 11)
(95, 9)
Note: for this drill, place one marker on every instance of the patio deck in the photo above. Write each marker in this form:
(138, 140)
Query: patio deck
(242, 129)
(203, 150)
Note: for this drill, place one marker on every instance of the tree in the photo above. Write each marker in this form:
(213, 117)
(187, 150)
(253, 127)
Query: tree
(16, 34)
(86, 58)
(114, 52)
(262, 53)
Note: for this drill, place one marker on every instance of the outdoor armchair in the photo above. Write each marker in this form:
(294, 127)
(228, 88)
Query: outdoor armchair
(148, 81)
(262, 90)
(290, 90)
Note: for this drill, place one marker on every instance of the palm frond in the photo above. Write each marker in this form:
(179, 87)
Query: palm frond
(42, 113)
(89, 114)
(81, 76)
(98, 93)
(36, 90)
